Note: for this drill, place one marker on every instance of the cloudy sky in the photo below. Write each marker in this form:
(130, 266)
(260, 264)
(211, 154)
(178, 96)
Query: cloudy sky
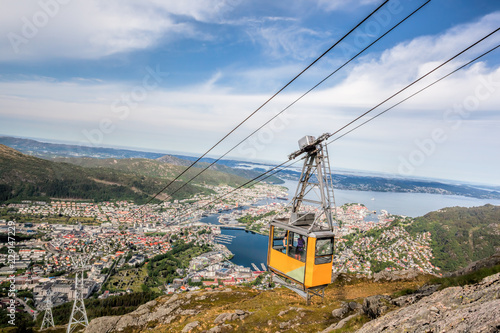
(163, 75)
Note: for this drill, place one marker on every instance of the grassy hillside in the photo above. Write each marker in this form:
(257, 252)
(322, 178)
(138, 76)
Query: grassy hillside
(23, 177)
(156, 169)
(460, 235)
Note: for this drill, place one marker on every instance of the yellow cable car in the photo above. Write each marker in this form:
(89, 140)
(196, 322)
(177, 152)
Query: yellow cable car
(310, 264)
(301, 246)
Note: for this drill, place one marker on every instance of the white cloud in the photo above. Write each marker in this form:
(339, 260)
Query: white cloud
(97, 28)
(332, 5)
(287, 39)
(190, 118)
(381, 75)
(200, 10)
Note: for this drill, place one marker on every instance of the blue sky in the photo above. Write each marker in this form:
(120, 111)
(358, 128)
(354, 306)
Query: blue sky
(164, 75)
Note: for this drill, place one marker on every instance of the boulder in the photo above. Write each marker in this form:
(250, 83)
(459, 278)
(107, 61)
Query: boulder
(102, 324)
(223, 317)
(340, 324)
(285, 325)
(375, 306)
(409, 274)
(282, 313)
(340, 312)
(220, 329)
(238, 314)
(353, 306)
(190, 326)
(424, 291)
(189, 312)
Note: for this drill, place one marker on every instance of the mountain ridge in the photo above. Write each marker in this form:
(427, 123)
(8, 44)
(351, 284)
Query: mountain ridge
(343, 181)
(157, 169)
(58, 152)
(23, 177)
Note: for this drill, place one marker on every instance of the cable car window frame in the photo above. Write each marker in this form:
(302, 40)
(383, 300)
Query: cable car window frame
(323, 258)
(292, 244)
(278, 239)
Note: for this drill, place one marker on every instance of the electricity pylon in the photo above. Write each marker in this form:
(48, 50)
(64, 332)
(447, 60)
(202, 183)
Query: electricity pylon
(78, 313)
(48, 320)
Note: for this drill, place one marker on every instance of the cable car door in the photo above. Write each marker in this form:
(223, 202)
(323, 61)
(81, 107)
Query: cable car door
(287, 254)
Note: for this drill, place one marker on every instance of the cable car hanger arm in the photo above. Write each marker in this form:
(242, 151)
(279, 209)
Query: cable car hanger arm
(309, 146)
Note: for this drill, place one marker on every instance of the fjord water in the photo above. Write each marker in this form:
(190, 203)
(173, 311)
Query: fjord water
(247, 247)
(408, 204)
(251, 248)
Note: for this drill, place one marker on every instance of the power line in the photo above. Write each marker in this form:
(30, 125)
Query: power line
(265, 103)
(299, 98)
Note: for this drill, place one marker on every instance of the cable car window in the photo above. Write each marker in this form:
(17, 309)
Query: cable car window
(324, 251)
(279, 239)
(297, 246)
(324, 247)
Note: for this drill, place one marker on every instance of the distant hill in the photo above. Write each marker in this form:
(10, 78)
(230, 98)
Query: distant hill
(460, 235)
(356, 182)
(245, 173)
(169, 159)
(156, 169)
(343, 181)
(25, 177)
(48, 150)
(56, 150)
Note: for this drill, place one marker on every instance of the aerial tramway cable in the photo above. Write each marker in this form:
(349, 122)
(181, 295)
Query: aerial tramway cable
(265, 103)
(417, 80)
(412, 95)
(248, 183)
(300, 97)
(357, 118)
(269, 174)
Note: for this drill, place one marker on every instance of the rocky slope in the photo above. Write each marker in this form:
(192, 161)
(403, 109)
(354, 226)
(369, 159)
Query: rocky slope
(173, 314)
(350, 305)
(472, 308)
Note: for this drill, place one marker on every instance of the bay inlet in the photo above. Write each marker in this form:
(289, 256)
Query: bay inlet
(251, 248)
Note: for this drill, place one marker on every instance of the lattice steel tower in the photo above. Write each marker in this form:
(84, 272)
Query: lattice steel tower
(78, 313)
(48, 320)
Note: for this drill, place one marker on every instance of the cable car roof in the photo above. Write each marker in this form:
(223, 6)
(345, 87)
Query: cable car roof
(317, 232)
